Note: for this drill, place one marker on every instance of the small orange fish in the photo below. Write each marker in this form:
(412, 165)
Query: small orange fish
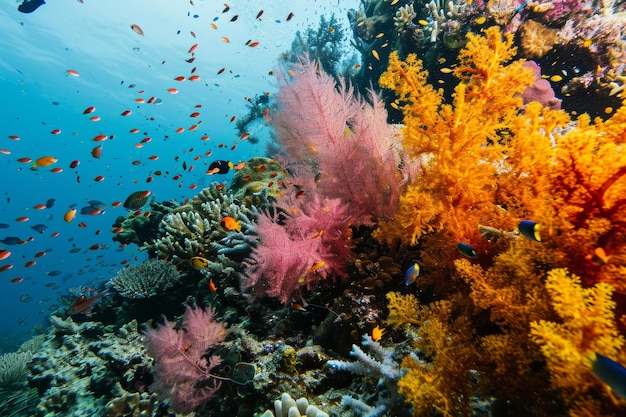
(212, 286)
(172, 90)
(89, 109)
(73, 73)
(136, 29)
(84, 305)
(377, 333)
(229, 223)
(45, 161)
(253, 44)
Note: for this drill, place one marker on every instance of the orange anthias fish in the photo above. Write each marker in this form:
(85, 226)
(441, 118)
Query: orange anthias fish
(231, 224)
(83, 305)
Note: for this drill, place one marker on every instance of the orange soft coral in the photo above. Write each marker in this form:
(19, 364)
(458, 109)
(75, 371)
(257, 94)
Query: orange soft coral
(460, 145)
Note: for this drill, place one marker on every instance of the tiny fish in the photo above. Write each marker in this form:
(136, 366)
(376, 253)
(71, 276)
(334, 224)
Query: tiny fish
(466, 250)
(411, 274)
(530, 229)
(136, 29)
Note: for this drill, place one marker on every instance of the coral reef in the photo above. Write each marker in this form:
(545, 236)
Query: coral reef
(541, 90)
(79, 365)
(337, 143)
(13, 367)
(288, 407)
(536, 39)
(461, 145)
(145, 280)
(297, 250)
(259, 182)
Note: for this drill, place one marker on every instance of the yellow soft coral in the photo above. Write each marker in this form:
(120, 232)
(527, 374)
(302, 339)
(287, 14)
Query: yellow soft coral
(587, 324)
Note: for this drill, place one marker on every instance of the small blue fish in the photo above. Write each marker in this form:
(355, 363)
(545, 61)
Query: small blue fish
(466, 250)
(12, 240)
(411, 274)
(530, 229)
(29, 6)
(610, 372)
(39, 228)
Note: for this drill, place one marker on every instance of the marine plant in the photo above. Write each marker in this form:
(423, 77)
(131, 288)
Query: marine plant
(183, 372)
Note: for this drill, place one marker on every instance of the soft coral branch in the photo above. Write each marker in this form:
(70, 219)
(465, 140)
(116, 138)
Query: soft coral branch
(309, 242)
(344, 139)
(183, 374)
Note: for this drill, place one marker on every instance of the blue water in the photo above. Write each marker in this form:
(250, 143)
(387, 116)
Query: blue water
(95, 39)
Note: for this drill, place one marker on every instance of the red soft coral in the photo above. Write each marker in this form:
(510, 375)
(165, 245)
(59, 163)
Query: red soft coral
(298, 250)
(341, 137)
(182, 372)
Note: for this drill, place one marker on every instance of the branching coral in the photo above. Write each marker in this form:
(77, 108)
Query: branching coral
(195, 230)
(587, 324)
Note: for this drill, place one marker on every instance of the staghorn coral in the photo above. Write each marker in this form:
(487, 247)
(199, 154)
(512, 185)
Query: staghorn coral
(195, 230)
(145, 280)
(586, 323)
(379, 365)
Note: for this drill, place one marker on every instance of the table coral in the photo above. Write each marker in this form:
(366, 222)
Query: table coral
(146, 279)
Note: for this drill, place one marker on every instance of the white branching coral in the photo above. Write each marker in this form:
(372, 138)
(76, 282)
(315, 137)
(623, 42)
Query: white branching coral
(404, 17)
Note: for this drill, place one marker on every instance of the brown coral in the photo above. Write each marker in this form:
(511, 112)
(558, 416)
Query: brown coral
(536, 39)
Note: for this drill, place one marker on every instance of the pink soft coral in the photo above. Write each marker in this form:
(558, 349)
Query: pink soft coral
(298, 249)
(345, 141)
(182, 372)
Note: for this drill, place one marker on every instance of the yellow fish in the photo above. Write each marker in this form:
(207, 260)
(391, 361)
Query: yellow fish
(199, 262)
